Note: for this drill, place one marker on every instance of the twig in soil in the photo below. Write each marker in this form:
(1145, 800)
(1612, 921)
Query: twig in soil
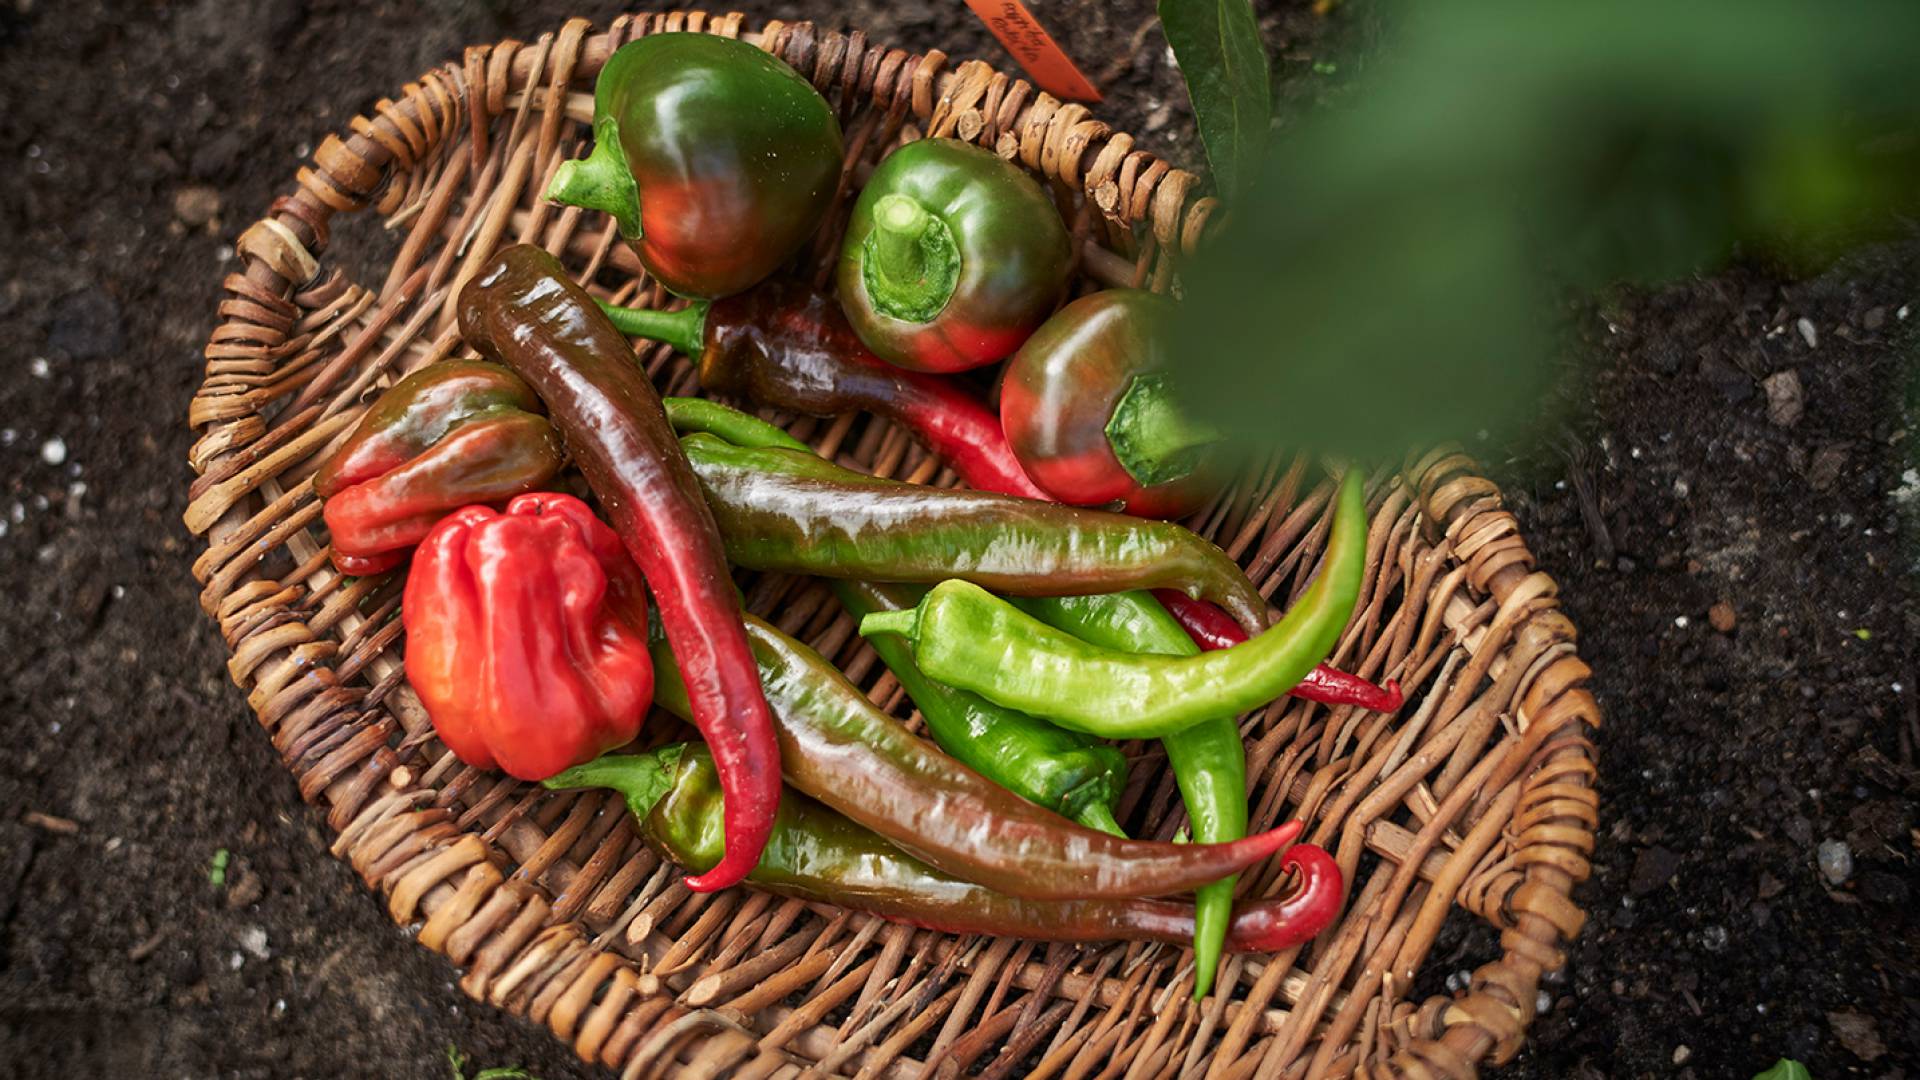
(1577, 464)
(60, 825)
(145, 948)
(1119, 65)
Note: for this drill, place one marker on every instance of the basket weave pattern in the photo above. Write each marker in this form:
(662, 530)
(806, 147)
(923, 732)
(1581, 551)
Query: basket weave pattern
(1478, 795)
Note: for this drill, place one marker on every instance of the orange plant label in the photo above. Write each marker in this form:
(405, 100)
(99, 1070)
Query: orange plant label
(1036, 50)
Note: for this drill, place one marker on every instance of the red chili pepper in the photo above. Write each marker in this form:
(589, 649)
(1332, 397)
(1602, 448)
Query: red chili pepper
(524, 310)
(527, 636)
(1210, 628)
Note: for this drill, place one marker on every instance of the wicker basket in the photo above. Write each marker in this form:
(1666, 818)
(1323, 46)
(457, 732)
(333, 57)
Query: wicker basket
(1478, 796)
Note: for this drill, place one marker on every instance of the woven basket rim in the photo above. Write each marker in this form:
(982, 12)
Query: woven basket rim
(287, 370)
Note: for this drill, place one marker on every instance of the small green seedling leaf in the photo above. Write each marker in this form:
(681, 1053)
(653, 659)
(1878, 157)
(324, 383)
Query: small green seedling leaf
(1786, 1069)
(217, 869)
(1863, 633)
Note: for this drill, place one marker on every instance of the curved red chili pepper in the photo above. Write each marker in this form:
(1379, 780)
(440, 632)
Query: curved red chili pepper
(1210, 628)
(1300, 916)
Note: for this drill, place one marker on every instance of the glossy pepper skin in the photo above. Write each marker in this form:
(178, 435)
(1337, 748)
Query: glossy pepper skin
(818, 855)
(838, 747)
(792, 512)
(967, 637)
(1211, 628)
(1064, 771)
(952, 257)
(522, 310)
(717, 160)
(787, 345)
(446, 436)
(1208, 760)
(1089, 410)
(527, 636)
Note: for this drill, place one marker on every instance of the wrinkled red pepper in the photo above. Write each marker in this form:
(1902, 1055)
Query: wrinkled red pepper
(449, 435)
(527, 636)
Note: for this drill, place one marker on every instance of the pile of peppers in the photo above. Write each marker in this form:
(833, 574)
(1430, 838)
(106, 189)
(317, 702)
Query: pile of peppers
(1034, 620)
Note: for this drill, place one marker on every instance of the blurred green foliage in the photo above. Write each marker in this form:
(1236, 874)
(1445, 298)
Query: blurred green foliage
(1399, 270)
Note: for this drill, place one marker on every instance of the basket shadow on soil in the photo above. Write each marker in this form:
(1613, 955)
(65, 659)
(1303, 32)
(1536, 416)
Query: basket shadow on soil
(140, 140)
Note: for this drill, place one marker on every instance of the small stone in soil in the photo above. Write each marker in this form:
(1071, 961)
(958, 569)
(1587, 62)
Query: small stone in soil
(1826, 466)
(1858, 1033)
(1652, 868)
(196, 204)
(1722, 617)
(1836, 861)
(1682, 1054)
(1786, 399)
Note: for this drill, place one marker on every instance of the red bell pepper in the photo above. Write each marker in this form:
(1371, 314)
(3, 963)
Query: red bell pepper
(527, 636)
(1092, 415)
(449, 435)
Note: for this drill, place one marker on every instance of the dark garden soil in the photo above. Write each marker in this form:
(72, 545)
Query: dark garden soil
(1732, 548)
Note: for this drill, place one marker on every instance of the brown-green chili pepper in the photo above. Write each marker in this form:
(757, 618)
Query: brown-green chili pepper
(789, 511)
(967, 637)
(818, 855)
(838, 747)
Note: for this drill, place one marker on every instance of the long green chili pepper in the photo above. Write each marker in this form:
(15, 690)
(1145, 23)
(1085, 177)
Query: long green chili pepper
(1209, 760)
(838, 747)
(818, 855)
(1064, 771)
(788, 511)
(967, 637)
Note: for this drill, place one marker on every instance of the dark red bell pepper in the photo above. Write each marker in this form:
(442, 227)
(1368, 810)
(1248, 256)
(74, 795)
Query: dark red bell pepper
(527, 636)
(952, 257)
(449, 435)
(1091, 413)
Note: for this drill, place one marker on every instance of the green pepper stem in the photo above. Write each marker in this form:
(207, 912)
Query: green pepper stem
(641, 778)
(601, 180)
(685, 329)
(691, 416)
(912, 263)
(1098, 815)
(890, 622)
(1156, 441)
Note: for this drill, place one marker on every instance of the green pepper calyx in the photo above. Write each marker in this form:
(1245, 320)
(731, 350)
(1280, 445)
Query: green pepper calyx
(685, 329)
(1154, 439)
(912, 263)
(642, 779)
(601, 180)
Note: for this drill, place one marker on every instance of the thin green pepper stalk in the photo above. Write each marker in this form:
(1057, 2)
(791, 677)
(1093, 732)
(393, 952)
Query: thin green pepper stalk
(1064, 771)
(969, 638)
(1209, 760)
(818, 855)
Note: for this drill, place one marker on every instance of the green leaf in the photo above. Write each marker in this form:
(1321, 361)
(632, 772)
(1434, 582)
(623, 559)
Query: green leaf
(1217, 45)
(1786, 1069)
